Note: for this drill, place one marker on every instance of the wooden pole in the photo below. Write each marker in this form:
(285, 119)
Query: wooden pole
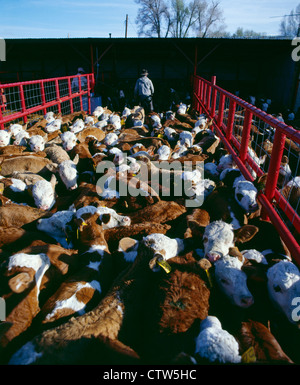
(126, 25)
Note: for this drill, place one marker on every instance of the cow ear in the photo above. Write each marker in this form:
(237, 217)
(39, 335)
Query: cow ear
(53, 167)
(245, 233)
(127, 244)
(53, 181)
(260, 182)
(235, 252)
(210, 123)
(29, 187)
(76, 159)
(20, 282)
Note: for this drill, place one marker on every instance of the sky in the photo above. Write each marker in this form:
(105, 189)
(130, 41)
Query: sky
(100, 18)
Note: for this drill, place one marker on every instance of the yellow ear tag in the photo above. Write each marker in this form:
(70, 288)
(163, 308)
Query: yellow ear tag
(77, 231)
(164, 265)
(160, 135)
(249, 356)
(209, 277)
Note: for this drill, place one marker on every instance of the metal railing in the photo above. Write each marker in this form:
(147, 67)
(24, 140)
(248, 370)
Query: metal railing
(23, 101)
(260, 145)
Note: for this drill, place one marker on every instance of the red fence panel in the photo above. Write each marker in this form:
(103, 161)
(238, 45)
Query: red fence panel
(274, 151)
(23, 101)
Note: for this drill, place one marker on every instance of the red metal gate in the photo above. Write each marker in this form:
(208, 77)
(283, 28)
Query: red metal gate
(239, 123)
(23, 101)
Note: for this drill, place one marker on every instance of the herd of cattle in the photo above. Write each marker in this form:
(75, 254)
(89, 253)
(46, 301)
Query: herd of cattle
(179, 269)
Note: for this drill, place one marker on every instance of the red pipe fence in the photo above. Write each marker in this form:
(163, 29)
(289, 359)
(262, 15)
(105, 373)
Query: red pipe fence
(239, 123)
(23, 101)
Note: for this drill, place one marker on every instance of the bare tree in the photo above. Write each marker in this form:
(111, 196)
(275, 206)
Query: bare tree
(179, 13)
(210, 19)
(183, 16)
(178, 18)
(153, 18)
(290, 24)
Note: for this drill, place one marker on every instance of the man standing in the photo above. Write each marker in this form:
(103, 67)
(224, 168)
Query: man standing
(83, 81)
(83, 84)
(143, 91)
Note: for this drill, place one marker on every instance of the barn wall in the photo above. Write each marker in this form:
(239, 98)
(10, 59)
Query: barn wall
(261, 67)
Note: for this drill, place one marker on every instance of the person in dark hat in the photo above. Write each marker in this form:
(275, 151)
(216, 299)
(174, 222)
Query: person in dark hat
(143, 91)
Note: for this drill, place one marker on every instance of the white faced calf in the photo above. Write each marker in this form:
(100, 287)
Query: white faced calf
(68, 173)
(245, 194)
(182, 109)
(201, 123)
(14, 129)
(219, 237)
(187, 138)
(37, 143)
(164, 152)
(98, 111)
(162, 248)
(126, 163)
(226, 161)
(20, 138)
(49, 116)
(155, 121)
(108, 218)
(111, 139)
(77, 126)
(4, 138)
(171, 134)
(69, 140)
(43, 193)
(233, 281)
(284, 288)
(27, 271)
(53, 125)
(115, 120)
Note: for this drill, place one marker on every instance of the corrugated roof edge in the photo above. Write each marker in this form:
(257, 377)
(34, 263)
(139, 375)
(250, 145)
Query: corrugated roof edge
(150, 38)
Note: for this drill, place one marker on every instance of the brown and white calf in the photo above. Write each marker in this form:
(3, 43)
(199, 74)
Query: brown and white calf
(15, 215)
(175, 303)
(24, 273)
(28, 163)
(219, 237)
(113, 318)
(83, 289)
